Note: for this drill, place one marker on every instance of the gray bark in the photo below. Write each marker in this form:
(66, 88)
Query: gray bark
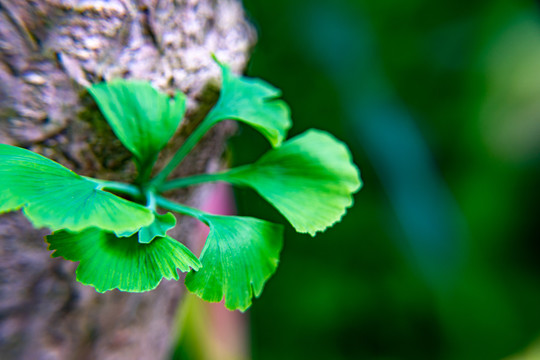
(50, 50)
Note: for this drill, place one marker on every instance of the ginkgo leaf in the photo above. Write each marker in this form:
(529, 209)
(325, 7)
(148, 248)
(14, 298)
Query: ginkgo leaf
(108, 262)
(160, 226)
(239, 256)
(254, 102)
(143, 118)
(54, 196)
(310, 179)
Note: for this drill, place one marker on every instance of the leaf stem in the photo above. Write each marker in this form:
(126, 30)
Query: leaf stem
(180, 208)
(190, 143)
(117, 186)
(151, 200)
(145, 170)
(192, 180)
(202, 178)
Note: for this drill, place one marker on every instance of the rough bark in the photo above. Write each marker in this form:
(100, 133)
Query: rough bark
(49, 50)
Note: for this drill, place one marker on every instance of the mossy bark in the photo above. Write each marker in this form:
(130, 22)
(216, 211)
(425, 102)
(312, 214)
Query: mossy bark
(49, 51)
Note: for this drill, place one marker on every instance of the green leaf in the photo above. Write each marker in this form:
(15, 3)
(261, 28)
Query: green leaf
(54, 196)
(254, 102)
(160, 226)
(310, 179)
(239, 256)
(108, 262)
(143, 118)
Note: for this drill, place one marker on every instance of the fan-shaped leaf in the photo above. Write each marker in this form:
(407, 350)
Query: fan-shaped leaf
(255, 102)
(108, 262)
(310, 179)
(143, 118)
(239, 256)
(160, 226)
(54, 196)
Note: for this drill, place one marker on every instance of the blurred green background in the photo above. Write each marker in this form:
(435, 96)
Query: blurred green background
(439, 102)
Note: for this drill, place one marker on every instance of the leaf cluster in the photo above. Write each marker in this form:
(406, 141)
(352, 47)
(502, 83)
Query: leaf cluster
(124, 245)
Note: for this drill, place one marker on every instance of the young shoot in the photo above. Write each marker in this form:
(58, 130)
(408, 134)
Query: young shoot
(121, 244)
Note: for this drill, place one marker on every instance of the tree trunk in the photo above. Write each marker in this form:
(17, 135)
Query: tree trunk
(50, 50)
